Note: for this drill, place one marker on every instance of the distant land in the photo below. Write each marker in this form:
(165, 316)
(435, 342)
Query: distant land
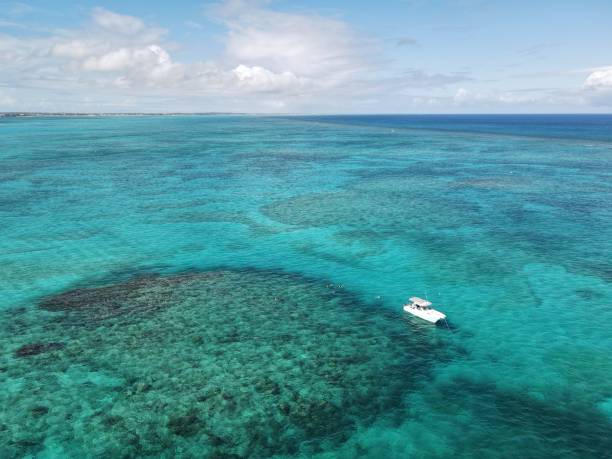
(23, 114)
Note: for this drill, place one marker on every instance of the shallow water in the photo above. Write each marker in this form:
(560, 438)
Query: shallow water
(217, 286)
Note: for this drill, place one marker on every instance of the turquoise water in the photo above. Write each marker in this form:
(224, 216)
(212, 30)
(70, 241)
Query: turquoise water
(231, 286)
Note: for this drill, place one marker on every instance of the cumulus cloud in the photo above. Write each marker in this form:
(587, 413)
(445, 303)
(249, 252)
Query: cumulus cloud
(598, 86)
(310, 46)
(600, 79)
(269, 60)
(151, 58)
(264, 79)
(113, 43)
(120, 51)
(265, 51)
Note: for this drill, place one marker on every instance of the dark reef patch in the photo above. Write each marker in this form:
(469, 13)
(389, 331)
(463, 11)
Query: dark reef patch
(242, 363)
(135, 298)
(374, 206)
(569, 426)
(39, 410)
(28, 350)
(185, 425)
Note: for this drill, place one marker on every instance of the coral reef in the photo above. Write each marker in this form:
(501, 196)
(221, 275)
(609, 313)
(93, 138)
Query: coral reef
(231, 363)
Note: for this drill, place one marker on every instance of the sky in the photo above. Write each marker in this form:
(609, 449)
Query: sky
(317, 56)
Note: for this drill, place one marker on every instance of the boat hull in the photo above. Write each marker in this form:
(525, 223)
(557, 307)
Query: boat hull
(430, 315)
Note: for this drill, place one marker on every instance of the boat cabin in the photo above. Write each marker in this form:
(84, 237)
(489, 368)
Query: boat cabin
(419, 303)
(422, 308)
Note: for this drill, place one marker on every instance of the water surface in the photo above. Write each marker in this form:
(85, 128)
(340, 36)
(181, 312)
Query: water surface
(204, 286)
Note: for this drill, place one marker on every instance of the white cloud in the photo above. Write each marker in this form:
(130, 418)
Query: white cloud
(510, 99)
(266, 52)
(270, 60)
(462, 96)
(127, 58)
(466, 97)
(121, 51)
(308, 45)
(600, 79)
(118, 23)
(263, 79)
(598, 86)
(73, 49)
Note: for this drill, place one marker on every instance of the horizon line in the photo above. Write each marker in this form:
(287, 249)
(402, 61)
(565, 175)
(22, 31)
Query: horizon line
(212, 113)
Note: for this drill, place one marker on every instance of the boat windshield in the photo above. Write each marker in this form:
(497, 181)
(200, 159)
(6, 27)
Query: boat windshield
(420, 303)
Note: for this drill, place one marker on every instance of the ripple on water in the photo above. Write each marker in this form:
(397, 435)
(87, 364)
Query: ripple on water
(245, 363)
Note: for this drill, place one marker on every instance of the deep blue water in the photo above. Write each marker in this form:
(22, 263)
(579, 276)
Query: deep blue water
(579, 127)
(232, 285)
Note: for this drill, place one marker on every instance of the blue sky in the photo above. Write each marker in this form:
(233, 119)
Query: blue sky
(397, 56)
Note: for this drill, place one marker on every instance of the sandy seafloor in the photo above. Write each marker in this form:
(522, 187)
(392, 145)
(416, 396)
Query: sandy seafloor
(231, 286)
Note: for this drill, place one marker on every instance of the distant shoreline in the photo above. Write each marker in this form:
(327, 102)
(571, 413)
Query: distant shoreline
(67, 114)
(26, 114)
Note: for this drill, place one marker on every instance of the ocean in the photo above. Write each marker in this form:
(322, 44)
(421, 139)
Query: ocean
(232, 286)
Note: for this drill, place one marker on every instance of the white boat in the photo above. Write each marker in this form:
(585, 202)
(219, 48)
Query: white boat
(422, 308)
